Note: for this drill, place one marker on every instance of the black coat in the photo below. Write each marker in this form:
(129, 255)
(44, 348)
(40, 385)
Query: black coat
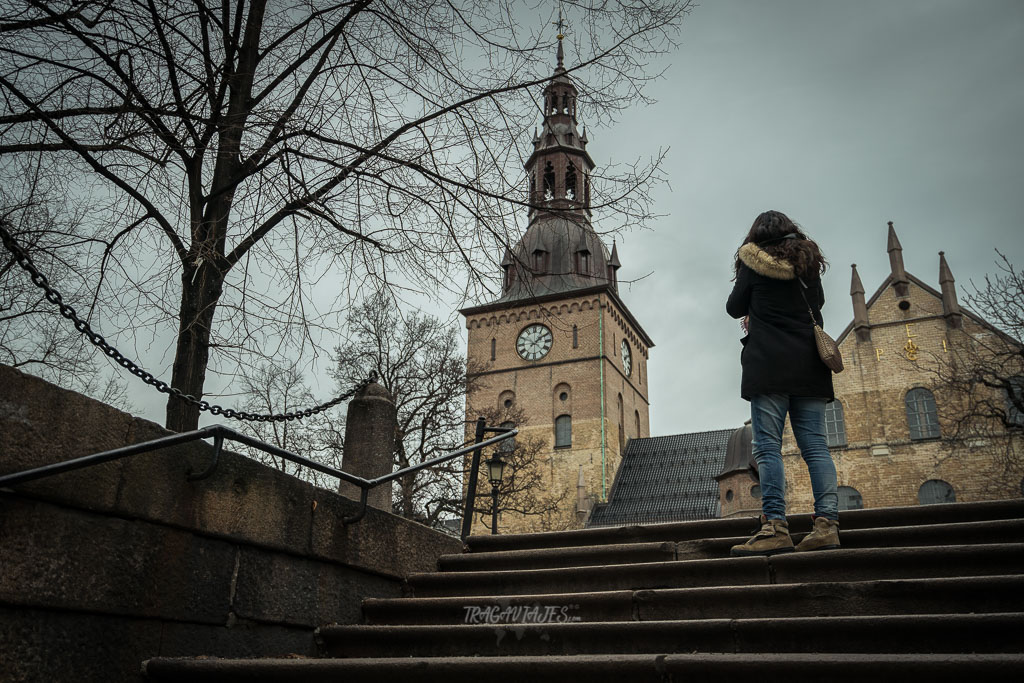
(779, 352)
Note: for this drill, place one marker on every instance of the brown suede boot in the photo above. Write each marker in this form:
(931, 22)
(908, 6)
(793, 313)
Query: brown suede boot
(824, 536)
(771, 539)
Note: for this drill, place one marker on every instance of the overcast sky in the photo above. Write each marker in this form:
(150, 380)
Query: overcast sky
(843, 115)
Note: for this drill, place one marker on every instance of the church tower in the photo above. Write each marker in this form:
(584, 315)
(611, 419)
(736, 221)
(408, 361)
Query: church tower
(562, 352)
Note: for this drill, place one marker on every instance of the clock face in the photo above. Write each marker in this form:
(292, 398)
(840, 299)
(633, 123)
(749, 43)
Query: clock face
(627, 359)
(534, 342)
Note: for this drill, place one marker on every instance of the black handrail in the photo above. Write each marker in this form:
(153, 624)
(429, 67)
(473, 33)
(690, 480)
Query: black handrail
(220, 432)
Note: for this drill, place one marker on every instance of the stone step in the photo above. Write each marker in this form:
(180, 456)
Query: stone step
(980, 594)
(740, 526)
(955, 533)
(936, 633)
(833, 565)
(692, 668)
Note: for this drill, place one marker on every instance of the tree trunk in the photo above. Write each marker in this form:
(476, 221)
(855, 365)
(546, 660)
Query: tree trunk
(200, 292)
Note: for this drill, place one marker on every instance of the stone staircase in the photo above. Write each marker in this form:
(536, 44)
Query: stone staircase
(922, 593)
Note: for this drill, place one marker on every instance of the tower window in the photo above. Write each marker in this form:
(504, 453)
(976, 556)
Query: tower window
(494, 347)
(637, 415)
(575, 337)
(583, 261)
(563, 431)
(835, 424)
(549, 181)
(570, 181)
(922, 415)
(540, 260)
(586, 190)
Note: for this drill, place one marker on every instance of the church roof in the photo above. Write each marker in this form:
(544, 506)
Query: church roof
(666, 479)
(561, 239)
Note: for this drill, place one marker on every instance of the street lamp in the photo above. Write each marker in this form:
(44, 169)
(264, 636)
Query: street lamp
(495, 470)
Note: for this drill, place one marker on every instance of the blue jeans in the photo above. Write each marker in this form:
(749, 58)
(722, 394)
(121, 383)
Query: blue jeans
(807, 417)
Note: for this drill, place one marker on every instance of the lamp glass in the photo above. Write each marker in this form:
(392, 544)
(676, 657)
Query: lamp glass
(495, 470)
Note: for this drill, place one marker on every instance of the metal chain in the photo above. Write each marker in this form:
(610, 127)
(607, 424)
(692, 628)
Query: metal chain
(54, 297)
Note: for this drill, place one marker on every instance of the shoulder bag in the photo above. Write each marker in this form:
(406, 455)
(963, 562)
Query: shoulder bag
(828, 350)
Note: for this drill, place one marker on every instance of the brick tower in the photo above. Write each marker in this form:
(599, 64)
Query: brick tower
(561, 348)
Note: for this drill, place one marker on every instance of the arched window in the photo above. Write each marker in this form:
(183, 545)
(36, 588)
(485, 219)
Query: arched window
(575, 337)
(835, 425)
(563, 431)
(1015, 401)
(637, 415)
(570, 181)
(935, 491)
(549, 181)
(494, 347)
(849, 498)
(922, 415)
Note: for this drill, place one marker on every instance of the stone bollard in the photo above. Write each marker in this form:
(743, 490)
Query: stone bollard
(370, 443)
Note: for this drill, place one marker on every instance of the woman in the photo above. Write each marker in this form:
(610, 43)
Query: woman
(778, 277)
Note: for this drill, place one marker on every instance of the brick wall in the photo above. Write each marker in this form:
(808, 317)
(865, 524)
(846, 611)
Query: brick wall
(575, 370)
(880, 460)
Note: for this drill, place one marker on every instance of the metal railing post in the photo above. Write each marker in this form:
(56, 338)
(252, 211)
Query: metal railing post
(467, 515)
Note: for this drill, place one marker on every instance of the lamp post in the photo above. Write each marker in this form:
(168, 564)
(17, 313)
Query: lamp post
(495, 470)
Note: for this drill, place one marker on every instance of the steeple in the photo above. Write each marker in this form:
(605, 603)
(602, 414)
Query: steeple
(559, 168)
(560, 252)
(950, 306)
(860, 309)
(899, 276)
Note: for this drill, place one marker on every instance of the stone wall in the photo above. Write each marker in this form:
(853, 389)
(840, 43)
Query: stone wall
(105, 567)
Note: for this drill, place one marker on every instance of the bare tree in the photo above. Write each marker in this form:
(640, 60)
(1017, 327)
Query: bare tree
(419, 360)
(236, 154)
(33, 335)
(981, 383)
(524, 491)
(268, 388)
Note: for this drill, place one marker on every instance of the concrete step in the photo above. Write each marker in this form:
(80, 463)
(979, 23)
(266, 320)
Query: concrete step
(980, 594)
(694, 668)
(544, 558)
(934, 633)
(833, 565)
(956, 533)
(729, 528)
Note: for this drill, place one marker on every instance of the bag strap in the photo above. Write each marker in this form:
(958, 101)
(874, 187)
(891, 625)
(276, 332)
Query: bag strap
(803, 286)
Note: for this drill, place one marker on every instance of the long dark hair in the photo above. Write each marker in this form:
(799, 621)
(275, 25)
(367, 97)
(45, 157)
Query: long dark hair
(771, 231)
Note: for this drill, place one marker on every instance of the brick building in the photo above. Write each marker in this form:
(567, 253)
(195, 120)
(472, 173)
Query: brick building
(888, 433)
(559, 344)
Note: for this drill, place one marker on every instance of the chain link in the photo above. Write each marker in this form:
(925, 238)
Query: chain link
(54, 297)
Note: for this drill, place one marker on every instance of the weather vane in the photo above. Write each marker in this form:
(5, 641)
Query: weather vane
(560, 23)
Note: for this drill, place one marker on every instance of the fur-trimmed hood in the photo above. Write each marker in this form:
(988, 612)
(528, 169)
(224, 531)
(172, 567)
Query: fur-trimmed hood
(763, 263)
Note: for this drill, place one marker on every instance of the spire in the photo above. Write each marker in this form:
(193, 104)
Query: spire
(614, 260)
(561, 34)
(950, 306)
(860, 309)
(899, 276)
(613, 266)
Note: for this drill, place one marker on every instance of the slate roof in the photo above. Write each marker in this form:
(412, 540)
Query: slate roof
(666, 479)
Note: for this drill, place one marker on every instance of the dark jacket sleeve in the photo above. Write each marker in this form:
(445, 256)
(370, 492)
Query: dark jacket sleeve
(739, 301)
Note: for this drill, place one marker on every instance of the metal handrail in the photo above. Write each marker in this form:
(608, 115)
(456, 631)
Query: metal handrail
(219, 433)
